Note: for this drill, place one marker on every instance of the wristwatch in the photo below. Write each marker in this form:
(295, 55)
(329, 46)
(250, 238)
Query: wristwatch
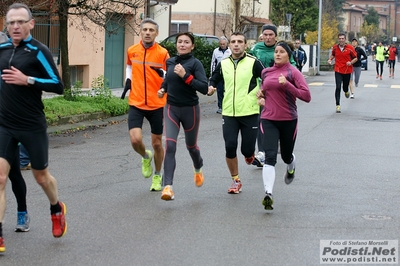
(31, 80)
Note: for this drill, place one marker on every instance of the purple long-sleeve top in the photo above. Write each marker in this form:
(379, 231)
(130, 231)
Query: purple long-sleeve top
(280, 100)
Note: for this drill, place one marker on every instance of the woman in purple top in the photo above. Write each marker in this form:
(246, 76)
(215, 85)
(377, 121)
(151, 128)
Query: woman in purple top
(281, 85)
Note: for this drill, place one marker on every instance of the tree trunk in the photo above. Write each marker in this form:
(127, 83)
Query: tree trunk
(63, 6)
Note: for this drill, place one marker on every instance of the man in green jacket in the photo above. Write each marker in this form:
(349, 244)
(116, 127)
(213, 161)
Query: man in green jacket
(241, 74)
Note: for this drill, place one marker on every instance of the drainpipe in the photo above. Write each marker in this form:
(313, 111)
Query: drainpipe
(215, 15)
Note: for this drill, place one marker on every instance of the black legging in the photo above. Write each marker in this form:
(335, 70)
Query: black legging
(339, 79)
(18, 183)
(189, 117)
(283, 132)
(379, 63)
(248, 127)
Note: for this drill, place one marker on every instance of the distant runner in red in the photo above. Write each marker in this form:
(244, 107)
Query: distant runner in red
(345, 56)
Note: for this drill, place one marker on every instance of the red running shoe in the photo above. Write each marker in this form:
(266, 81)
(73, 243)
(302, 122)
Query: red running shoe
(249, 160)
(2, 246)
(59, 223)
(236, 187)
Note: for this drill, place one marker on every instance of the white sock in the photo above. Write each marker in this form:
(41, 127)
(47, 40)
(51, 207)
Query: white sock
(292, 165)
(268, 174)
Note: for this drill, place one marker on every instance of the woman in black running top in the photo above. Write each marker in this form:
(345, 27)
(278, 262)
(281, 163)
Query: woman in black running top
(184, 78)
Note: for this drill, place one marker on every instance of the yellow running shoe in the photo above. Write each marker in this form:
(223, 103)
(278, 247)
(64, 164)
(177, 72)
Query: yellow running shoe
(156, 183)
(147, 170)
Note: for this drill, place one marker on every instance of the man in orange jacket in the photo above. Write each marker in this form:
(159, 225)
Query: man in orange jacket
(145, 68)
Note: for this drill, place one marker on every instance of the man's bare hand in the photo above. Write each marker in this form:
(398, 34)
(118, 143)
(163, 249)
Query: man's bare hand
(14, 76)
(211, 90)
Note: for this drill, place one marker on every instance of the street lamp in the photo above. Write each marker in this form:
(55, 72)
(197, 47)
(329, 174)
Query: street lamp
(319, 36)
(288, 19)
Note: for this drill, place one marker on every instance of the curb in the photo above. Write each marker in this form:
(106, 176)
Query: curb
(98, 120)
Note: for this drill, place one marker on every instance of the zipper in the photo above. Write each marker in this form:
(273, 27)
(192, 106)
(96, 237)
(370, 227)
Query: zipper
(11, 58)
(144, 77)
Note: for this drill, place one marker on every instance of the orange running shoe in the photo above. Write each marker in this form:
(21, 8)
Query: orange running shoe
(59, 223)
(167, 193)
(198, 179)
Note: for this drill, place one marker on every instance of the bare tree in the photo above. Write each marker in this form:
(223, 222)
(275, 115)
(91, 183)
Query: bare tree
(82, 14)
(235, 16)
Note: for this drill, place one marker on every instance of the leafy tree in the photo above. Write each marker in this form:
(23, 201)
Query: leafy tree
(334, 10)
(304, 15)
(373, 17)
(329, 32)
(371, 32)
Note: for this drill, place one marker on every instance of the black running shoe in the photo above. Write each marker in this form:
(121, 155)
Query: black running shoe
(268, 201)
(289, 177)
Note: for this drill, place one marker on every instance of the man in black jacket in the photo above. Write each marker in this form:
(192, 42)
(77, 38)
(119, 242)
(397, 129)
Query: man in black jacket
(27, 68)
(301, 63)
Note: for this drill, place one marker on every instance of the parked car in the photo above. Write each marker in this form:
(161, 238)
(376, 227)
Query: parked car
(209, 38)
(364, 64)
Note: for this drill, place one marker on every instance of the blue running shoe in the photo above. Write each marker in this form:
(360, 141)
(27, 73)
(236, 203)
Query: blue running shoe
(22, 222)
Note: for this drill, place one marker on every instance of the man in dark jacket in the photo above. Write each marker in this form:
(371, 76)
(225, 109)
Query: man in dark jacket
(301, 60)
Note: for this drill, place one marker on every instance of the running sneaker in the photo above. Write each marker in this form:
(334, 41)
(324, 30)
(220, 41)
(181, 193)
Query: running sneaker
(352, 96)
(219, 111)
(338, 109)
(59, 223)
(2, 245)
(347, 94)
(198, 179)
(289, 177)
(22, 222)
(249, 160)
(167, 193)
(268, 201)
(25, 167)
(259, 159)
(147, 170)
(236, 187)
(156, 183)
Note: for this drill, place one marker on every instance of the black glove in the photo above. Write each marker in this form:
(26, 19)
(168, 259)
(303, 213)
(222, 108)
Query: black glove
(159, 71)
(126, 88)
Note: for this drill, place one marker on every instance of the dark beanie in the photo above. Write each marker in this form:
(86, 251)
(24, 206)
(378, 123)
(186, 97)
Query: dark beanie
(285, 46)
(269, 27)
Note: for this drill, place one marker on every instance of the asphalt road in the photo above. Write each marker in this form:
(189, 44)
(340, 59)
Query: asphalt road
(346, 188)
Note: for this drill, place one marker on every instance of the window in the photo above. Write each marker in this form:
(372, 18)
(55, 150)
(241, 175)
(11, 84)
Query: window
(47, 31)
(179, 26)
(250, 31)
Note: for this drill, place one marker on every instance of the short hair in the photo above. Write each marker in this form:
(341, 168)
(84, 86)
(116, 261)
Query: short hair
(223, 38)
(238, 33)
(341, 34)
(20, 5)
(189, 34)
(148, 20)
